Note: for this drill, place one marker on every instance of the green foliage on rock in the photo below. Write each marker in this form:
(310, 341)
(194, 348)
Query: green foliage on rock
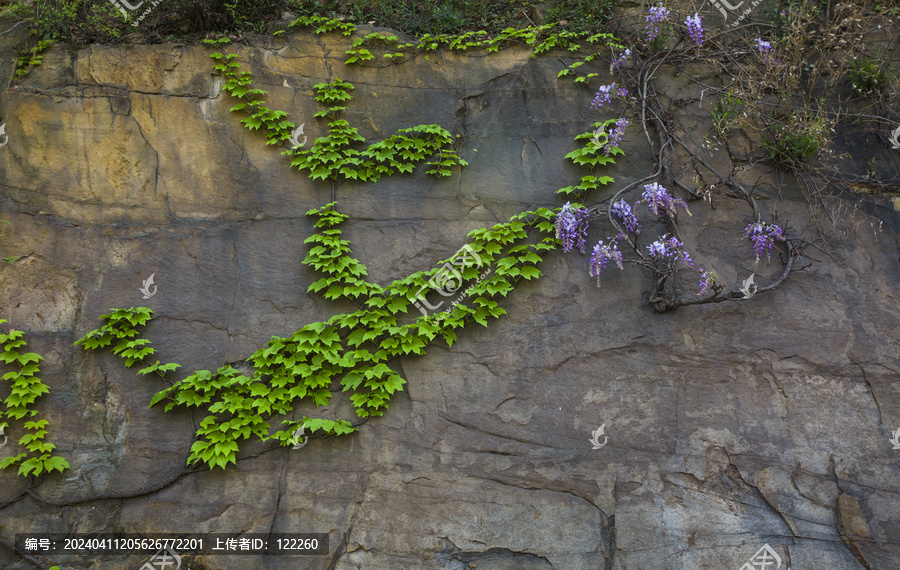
(32, 57)
(350, 350)
(26, 388)
(869, 76)
(592, 154)
(332, 156)
(794, 139)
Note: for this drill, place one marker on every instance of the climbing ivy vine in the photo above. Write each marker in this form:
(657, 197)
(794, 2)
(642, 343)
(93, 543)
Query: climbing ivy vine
(26, 389)
(333, 156)
(357, 350)
(541, 39)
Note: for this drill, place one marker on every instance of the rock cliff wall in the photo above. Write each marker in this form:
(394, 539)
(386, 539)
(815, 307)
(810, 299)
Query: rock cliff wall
(729, 426)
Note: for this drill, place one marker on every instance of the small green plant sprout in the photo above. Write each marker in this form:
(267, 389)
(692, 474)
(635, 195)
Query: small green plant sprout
(31, 58)
(795, 139)
(726, 113)
(868, 75)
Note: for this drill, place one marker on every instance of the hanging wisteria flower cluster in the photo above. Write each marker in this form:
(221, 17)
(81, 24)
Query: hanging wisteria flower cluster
(695, 29)
(605, 93)
(620, 61)
(707, 280)
(658, 15)
(763, 235)
(766, 50)
(623, 211)
(660, 201)
(601, 255)
(571, 227)
(670, 248)
(764, 46)
(603, 96)
(615, 136)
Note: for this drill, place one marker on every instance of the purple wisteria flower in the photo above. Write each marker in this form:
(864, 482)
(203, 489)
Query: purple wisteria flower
(621, 92)
(707, 279)
(763, 235)
(603, 96)
(623, 211)
(602, 254)
(695, 29)
(571, 227)
(670, 248)
(659, 200)
(620, 61)
(767, 51)
(615, 136)
(658, 15)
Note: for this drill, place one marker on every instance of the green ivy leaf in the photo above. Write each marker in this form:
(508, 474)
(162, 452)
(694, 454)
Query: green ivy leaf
(13, 460)
(57, 463)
